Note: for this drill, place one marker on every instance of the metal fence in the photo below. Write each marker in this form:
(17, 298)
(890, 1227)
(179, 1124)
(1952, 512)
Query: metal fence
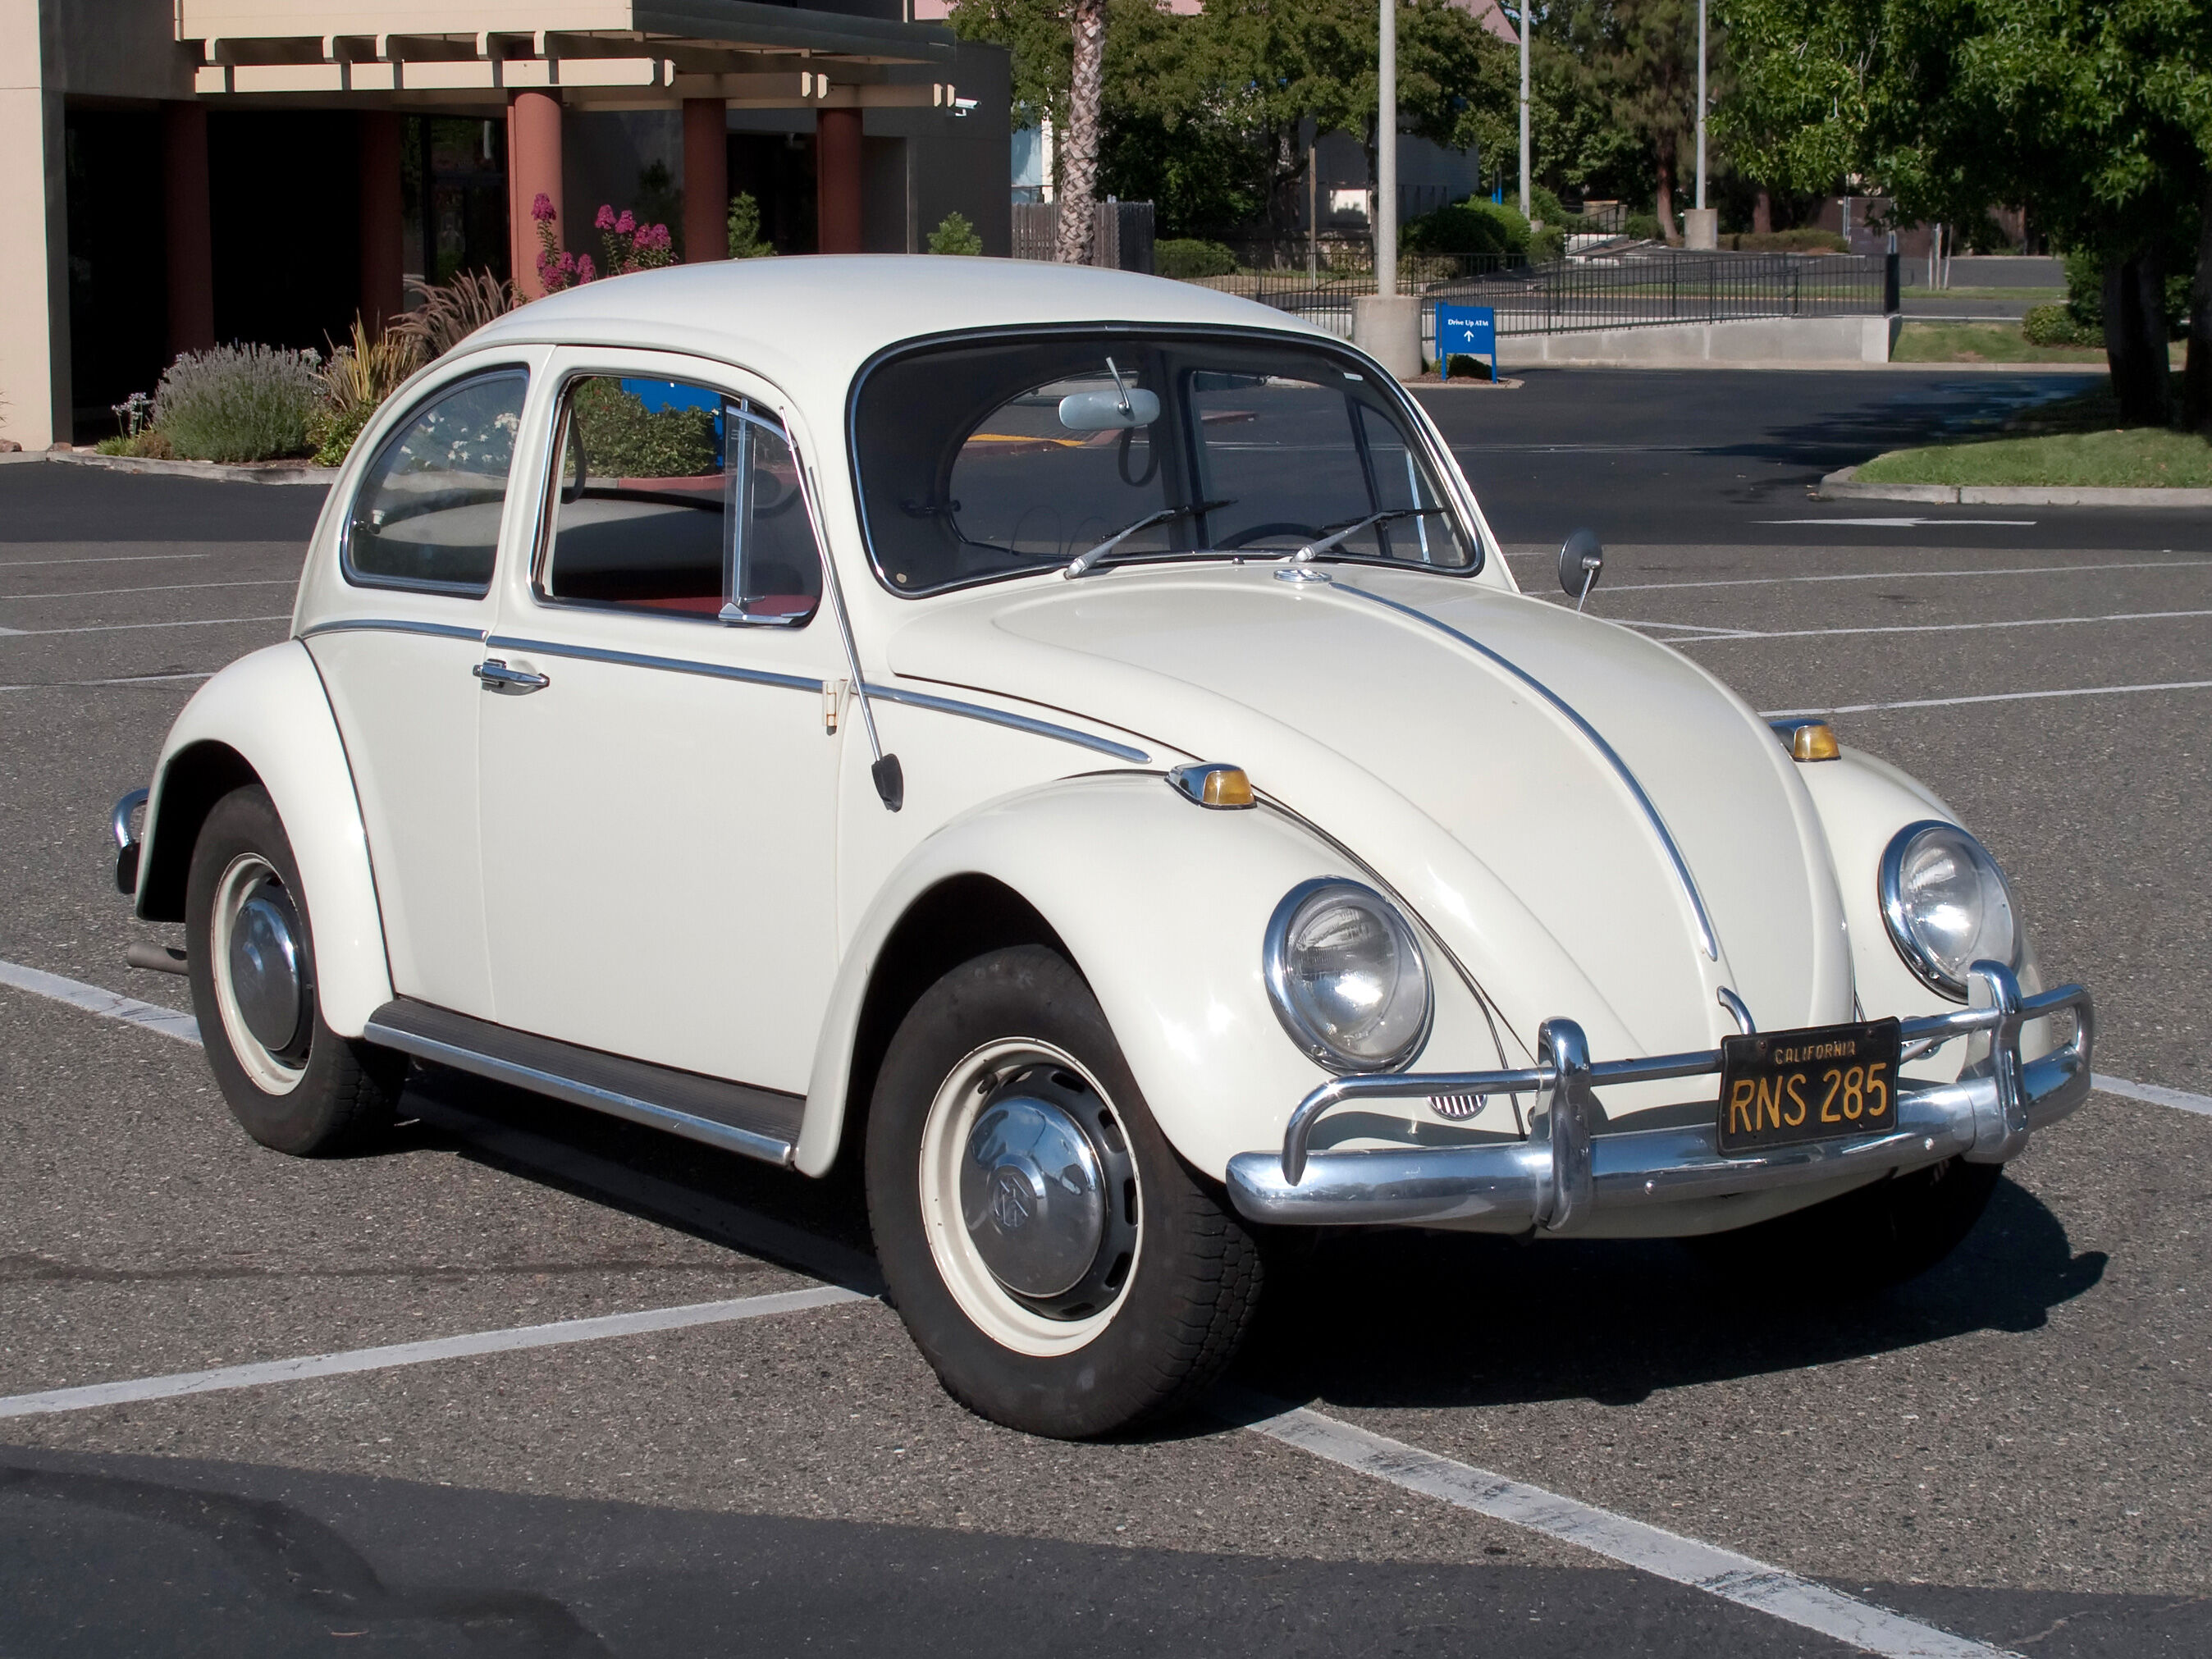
(1634, 290)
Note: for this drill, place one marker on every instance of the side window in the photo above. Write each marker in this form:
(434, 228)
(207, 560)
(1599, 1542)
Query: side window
(675, 498)
(428, 511)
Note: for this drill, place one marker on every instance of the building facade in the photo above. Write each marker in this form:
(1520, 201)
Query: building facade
(185, 171)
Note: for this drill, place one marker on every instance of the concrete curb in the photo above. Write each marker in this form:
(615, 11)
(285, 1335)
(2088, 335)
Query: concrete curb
(280, 472)
(1843, 486)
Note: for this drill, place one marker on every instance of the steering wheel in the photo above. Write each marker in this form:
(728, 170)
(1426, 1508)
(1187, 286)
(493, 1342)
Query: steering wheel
(1274, 527)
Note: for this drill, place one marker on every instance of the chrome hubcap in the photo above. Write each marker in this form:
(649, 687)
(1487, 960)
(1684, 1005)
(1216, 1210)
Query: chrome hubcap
(1031, 1195)
(264, 968)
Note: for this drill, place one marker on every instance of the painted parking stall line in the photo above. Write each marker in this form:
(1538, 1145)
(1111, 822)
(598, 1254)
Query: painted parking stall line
(126, 679)
(1900, 575)
(1663, 1554)
(2180, 1099)
(510, 1341)
(1702, 635)
(162, 588)
(1986, 696)
(108, 1005)
(124, 628)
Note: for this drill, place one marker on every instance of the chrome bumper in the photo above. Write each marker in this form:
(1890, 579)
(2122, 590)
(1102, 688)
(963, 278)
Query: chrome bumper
(1563, 1172)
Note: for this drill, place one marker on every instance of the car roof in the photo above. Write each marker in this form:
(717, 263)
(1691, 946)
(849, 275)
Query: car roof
(808, 322)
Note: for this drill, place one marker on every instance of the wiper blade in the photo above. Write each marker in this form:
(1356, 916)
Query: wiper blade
(1305, 554)
(1088, 561)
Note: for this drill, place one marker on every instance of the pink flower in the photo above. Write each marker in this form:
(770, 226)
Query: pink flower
(626, 224)
(585, 270)
(605, 221)
(541, 208)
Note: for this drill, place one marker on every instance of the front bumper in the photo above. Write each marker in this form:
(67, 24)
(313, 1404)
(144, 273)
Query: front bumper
(1564, 1173)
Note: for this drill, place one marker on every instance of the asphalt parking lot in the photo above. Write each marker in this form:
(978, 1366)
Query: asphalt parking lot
(2010, 1454)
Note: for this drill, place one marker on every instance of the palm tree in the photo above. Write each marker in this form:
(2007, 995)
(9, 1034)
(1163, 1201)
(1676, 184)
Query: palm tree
(1079, 176)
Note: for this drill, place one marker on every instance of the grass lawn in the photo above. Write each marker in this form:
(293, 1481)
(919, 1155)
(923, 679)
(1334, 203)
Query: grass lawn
(2034, 296)
(2138, 457)
(1981, 343)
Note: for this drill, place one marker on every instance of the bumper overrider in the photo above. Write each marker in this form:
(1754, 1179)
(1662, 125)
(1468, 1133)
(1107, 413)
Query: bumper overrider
(1565, 1172)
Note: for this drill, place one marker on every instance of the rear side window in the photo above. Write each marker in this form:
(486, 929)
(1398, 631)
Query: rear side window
(678, 499)
(427, 515)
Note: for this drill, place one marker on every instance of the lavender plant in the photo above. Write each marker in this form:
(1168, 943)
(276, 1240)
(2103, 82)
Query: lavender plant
(237, 402)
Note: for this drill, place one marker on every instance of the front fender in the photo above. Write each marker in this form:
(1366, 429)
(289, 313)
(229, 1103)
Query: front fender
(1163, 906)
(269, 711)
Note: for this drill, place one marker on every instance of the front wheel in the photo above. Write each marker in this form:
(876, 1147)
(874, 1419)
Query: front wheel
(1062, 1268)
(1871, 1237)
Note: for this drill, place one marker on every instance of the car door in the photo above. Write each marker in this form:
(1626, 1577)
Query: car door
(658, 756)
(417, 552)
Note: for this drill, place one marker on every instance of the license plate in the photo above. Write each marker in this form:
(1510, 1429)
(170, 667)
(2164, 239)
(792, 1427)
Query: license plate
(1782, 1087)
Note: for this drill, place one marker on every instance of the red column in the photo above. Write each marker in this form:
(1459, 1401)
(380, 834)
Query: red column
(533, 169)
(189, 238)
(706, 181)
(382, 246)
(837, 180)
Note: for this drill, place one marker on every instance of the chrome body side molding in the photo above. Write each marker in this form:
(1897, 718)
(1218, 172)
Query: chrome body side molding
(1565, 1172)
(1706, 937)
(713, 671)
(976, 711)
(392, 625)
(762, 1123)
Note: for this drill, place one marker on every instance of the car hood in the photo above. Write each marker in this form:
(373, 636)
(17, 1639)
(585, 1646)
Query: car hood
(1385, 709)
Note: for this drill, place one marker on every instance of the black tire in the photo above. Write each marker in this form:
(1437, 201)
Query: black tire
(344, 1090)
(1178, 1317)
(1870, 1238)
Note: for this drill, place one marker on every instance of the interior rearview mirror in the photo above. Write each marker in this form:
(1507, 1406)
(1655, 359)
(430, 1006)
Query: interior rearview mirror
(1581, 558)
(1108, 411)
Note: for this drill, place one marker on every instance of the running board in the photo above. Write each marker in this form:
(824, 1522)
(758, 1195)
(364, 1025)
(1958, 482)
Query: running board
(760, 1123)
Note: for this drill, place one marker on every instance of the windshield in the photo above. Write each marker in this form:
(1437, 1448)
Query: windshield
(983, 459)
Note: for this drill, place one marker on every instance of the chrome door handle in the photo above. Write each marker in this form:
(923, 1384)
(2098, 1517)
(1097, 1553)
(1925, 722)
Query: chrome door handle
(496, 676)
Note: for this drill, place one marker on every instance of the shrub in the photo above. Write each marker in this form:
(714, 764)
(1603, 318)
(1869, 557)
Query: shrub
(1464, 368)
(2054, 325)
(745, 240)
(1643, 227)
(1190, 258)
(448, 313)
(1469, 227)
(2085, 297)
(359, 376)
(151, 443)
(623, 439)
(954, 234)
(237, 402)
(1804, 239)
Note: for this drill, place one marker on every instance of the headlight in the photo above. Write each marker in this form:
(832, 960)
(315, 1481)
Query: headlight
(1946, 904)
(1347, 977)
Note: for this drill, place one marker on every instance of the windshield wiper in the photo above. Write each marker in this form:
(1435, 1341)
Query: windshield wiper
(1305, 555)
(1088, 561)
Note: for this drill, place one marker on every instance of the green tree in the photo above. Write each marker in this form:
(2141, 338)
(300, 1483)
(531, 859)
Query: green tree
(955, 234)
(1638, 60)
(2096, 118)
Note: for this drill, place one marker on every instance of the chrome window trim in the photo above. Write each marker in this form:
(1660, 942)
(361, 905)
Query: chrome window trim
(1891, 892)
(712, 670)
(1419, 428)
(393, 625)
(1275, 969)
(1706, 937)
(1018, 722)
(351, 576)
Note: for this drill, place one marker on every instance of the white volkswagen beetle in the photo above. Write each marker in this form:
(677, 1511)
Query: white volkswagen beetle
(1070, 741)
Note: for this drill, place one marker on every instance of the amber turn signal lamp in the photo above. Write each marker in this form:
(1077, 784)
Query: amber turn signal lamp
(1809, 740)
(1212, 785)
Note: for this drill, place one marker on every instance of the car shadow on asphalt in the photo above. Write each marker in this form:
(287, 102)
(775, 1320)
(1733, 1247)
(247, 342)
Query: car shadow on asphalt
(1445, 1319)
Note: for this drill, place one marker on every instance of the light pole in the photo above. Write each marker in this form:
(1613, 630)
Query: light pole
(1386, 155)
(1701, 225)
(1524, 108)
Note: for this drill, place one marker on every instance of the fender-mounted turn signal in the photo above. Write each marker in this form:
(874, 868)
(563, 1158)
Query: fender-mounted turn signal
(1211, 784)
(1808, 740)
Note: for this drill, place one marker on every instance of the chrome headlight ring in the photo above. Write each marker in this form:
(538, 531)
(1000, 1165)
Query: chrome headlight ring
(1946, 905)
(1347, 977)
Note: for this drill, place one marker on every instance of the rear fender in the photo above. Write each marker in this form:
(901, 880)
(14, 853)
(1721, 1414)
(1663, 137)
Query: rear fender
(1162, 905)
(266, 718)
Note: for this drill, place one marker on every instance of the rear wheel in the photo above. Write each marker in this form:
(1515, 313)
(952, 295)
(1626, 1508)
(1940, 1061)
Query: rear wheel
(1062, 1268)
(1869, 1238)
(292, 1082)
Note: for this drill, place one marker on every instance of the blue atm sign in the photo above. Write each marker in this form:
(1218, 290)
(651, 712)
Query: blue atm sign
(1465, 331)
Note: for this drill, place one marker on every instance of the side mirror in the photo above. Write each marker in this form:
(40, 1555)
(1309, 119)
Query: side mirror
(1580, 560)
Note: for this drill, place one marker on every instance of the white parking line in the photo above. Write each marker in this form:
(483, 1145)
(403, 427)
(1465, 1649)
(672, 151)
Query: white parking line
(127, 679)
(421, 1354)
(1889, 575)
(2157, 1095)
(1907, 524)
(1728, 636)
(115, 558)
(162, 588)
(1663, 1554)
(109, 1005)
(123, 627)
(1988, 696)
